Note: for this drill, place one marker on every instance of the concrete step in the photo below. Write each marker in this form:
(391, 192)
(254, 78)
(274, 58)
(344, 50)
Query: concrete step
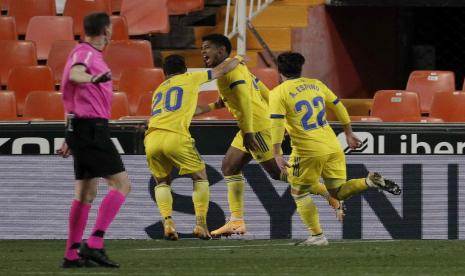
(277, 39)
(282, 16)
(276, 15)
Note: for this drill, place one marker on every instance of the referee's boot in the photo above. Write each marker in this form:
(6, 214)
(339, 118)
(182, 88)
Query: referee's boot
(78, 263)
(97, 255)
(376, 180)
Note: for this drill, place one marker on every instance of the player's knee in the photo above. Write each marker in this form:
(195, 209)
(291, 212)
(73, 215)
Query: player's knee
(226, 169)
(201, 175)
(333, 193)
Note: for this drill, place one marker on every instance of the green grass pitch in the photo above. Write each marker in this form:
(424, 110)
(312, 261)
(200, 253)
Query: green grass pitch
(244, 257)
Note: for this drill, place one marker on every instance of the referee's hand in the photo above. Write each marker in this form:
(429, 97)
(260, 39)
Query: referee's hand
(64, 151)
(104, 77)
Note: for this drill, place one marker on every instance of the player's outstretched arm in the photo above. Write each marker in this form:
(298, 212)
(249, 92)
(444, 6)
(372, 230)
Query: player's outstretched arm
(201, 109)
(226, 67)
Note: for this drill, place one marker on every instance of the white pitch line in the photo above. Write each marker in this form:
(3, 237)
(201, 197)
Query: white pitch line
(212, 247)
(362, 241)
(257, 245)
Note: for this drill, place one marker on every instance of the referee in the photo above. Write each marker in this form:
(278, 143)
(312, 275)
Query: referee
(87, 93)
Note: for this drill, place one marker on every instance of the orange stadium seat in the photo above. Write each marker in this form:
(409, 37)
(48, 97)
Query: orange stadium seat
(269, 76)
(15, 53)
(24, 79)
(119, 105)
(58, 55)
(4, 4)
(8, 28)
(449, 106)
(179, 7)
(120, 28)
(427, 83)
(7, 105)
(395, 105)
(78, 9)
(127, 54)
(368, 119)
(24, 10)
(116, 5)
(44, 104)
(146, 17)
(136, 82)
(44, 30)
(144, 107)
(206, 97)
(355, 107)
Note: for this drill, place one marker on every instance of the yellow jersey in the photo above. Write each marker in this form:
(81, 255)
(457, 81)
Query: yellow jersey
(299, 105)
(240, 93)
(175, 100)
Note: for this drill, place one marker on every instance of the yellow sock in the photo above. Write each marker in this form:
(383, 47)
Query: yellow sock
(308, 213)
(201, 199)
(164, 200)
(351, 187)
(236, 195)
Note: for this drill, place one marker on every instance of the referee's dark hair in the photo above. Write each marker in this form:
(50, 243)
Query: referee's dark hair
(219, 40)
(174, 64)
(290, 64)
(95, 23)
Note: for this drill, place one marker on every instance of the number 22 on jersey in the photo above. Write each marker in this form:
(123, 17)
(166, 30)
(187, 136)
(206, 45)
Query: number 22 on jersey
(307, 108)
(171, 102)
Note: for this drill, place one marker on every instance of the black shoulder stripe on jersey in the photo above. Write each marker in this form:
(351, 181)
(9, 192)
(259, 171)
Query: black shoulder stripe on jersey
(236, 83)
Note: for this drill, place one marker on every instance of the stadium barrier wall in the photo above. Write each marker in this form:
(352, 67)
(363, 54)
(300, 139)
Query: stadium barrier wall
(427, 162)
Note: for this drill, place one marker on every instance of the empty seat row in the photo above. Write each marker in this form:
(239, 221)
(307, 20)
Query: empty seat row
(48, 105)
(388, 106)
(143, 17)
(119, 55)
(404, 106)
(135, 82)
(44, 30)
(39, 105)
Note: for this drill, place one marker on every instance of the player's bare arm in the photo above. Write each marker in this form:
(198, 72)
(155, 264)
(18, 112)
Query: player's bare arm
(226, 67)
(280, 160)
(352, 140)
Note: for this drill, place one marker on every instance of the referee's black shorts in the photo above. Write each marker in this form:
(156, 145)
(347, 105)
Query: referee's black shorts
(93, 152)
